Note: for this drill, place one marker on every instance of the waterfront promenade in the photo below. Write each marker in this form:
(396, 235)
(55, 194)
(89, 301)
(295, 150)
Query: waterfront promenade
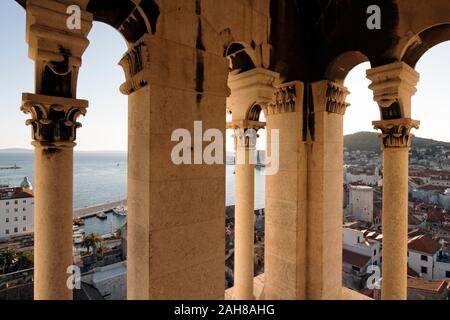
(87, 211)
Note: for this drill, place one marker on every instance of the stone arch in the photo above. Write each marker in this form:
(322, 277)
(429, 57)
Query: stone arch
(242, 57)
(130, 18)
(254, 112)
(423, 41)
(341, 65)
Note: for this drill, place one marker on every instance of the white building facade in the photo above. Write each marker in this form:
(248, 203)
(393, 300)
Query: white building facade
(361, 203)
(355, 241)
(16, 210)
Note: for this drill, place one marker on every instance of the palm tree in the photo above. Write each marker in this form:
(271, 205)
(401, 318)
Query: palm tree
(91, 241)
(102, 249)
(25, 260)
(8, 259)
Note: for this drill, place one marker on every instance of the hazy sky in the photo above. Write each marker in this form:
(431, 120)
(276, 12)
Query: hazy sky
(105, 126)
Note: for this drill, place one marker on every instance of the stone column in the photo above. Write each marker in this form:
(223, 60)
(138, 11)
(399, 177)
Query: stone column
(245, 146)
(285, 199)
(54, 109)
(396, 142)
(176, 212)
(250, 93)
(325, 190)
(393, 87)
(54, 132)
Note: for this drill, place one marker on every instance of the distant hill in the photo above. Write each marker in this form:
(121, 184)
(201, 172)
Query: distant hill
(369, 141)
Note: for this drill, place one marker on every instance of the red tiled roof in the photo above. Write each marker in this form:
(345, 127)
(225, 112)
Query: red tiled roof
(427, 285)
(15, 193)
(424, 244)
(435, 216)
(355, 259)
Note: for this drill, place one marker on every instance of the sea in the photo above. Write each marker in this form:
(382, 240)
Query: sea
(101, 177)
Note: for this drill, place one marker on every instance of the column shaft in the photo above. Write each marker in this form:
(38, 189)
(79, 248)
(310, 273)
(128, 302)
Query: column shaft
(53, 222)
(395, 224)
(244, 227)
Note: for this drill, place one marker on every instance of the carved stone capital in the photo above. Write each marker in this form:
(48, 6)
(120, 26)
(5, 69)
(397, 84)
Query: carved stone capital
(396, 133)
(287, 98)
(134, 62)
(329, 96)
(245, 133)
(336, 98)
(53, 119)
(393, 85)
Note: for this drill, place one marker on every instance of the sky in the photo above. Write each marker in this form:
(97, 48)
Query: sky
(105, 126)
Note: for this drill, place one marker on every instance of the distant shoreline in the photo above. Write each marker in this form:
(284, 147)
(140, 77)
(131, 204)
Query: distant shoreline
(88, 211)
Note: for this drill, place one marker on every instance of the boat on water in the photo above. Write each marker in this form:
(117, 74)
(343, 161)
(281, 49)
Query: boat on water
(78, 221)
(120, 212)
(15, 167)
(75, 228)
(78, 238)
(101, 215)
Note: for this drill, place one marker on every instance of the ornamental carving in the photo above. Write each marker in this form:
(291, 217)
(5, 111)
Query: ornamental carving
(133, 63)
(53, 123)
(283, 101)
(336, 98)
(396, 133)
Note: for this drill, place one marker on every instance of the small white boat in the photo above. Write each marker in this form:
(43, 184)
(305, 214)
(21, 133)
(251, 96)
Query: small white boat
(101, 216)
(75, 228)
(78, 238)
(120, 212)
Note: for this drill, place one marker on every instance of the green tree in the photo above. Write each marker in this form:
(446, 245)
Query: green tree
(8, 259)
(102, 249)
(25, 260)
(91, 242)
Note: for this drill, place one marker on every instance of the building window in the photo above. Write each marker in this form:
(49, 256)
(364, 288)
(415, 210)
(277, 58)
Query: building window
(375, 263)
(7, 231)
(24, 201)
(24, 229)
(16, 219)
(355, 268)
(447, 274)
(423, 258)
(375, 252)
(7, 220)
(24, 218)
(7, 203)
(24, 209)
(16, 230)
(16, 202)
(424, 270)
(16, 210)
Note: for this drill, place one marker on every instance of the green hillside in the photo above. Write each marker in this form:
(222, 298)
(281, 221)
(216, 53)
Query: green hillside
(369, 141)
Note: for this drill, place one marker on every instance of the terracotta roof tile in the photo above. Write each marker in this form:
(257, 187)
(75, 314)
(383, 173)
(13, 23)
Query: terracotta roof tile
(424, 244)
(355, 259)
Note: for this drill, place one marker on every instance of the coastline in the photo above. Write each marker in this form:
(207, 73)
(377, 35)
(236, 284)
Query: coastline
(89, 211)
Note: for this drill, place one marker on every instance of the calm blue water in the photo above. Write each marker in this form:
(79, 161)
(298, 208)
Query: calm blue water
(101, 177)
(101, 227)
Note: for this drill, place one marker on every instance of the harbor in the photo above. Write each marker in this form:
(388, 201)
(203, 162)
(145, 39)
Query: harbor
(103, 220)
